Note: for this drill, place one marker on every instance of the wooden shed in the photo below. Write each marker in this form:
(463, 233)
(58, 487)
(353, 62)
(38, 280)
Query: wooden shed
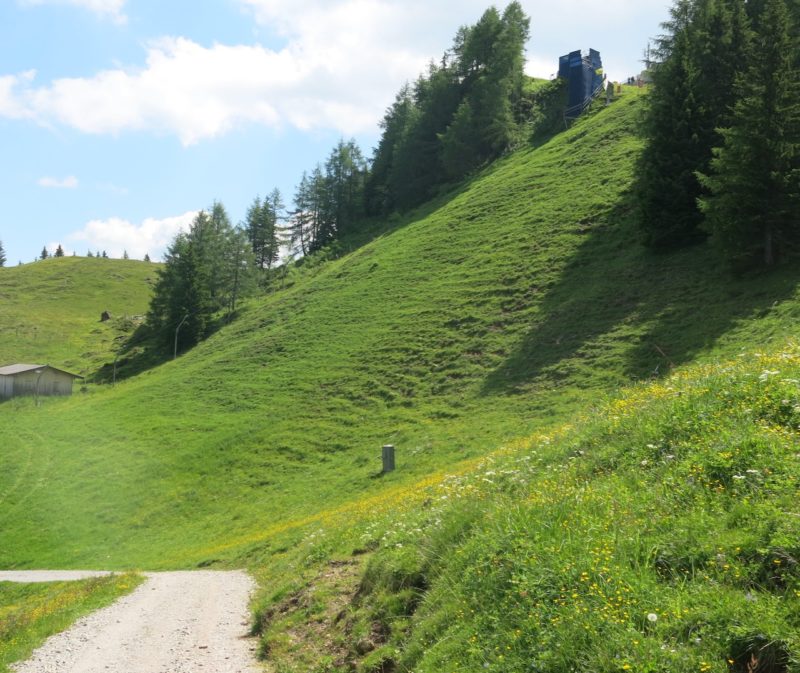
(18, 380)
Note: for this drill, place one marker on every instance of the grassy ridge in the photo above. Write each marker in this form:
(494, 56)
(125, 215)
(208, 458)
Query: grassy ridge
(50, 310)
(495, 310)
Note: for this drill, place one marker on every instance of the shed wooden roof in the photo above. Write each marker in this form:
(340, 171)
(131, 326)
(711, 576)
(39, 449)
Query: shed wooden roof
(12, 370)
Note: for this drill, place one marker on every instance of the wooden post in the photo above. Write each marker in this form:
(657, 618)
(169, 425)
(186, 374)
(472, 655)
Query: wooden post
(388, 458)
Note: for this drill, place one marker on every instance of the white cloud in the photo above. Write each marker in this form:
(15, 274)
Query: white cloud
(70, 182)
(115, 235)
(111, 9)
(339, 66)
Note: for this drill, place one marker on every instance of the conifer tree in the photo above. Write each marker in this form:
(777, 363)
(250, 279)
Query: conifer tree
(146, 257)
(206, 271)
(2, 255)
(59, 251)
(44, 254)
(263, 228)
(693, 90)
(272, 247)
(125, 254)
(753, 210)
(345, 173)
(378, 197)
(89, 253)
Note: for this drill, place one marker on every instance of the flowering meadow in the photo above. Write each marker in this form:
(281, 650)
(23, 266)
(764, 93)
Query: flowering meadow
(29, 613)
(659, 533)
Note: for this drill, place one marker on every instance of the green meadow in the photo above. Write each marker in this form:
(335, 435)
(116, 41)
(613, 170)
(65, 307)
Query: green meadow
(583, 435)
(50, 310)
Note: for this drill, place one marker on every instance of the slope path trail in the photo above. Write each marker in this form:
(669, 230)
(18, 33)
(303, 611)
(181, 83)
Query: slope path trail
(174, 622)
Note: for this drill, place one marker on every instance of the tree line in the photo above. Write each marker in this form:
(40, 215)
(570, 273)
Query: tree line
(722, 157)
(463, 112)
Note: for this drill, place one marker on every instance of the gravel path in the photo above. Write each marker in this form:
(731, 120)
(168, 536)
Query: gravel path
(27, 576)
(175, 622)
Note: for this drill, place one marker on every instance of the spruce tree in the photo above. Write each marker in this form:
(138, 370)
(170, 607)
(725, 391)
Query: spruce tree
(146, 257)
(206, 271)
(753, 210)
(125, 254)
(59, 251)
(378, 196)
(44, 254)
(693, 90)
(274, 239)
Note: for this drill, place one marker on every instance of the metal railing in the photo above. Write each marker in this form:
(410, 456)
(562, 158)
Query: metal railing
(572, 113)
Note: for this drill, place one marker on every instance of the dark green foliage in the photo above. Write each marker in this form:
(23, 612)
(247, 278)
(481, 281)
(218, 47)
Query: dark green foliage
(490, 67)
(754, 208)
(378, 197)
(310, 225)
(464, 111)
(206, 270)
(59, 251)
(125, 254)
(263, 231)
(345, 174)
(146, 257)
(329, 204)
(44, 254)
(698, 57)
(417, 164)
(181, 293)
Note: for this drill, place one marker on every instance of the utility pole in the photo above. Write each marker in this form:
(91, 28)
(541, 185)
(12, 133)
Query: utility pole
(177, 329)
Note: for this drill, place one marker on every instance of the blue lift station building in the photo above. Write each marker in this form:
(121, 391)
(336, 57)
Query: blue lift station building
(584, 76)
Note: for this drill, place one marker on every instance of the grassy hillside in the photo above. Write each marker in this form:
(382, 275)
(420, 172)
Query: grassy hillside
(655, 533)
(50, 310)
(496, 310)
(493, 311)
(513, 308)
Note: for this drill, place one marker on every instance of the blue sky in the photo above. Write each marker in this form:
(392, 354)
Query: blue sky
(119, 119)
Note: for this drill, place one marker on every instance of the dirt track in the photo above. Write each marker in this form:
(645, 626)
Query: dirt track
(175, 622)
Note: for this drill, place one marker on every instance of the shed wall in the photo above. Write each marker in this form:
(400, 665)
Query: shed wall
(51, 382)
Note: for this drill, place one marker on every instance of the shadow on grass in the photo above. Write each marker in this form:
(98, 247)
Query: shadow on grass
(619, 312)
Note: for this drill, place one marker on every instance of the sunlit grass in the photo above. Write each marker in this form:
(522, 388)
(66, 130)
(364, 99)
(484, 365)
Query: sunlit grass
(30, 613)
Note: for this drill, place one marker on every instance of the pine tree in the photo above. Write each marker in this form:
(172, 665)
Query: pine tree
(693, 91)
(89, 253)
(125, 254)
(491, 68)
(345, 173)
(44, 254)
(274, 239)
(2, 255)
(378, 196)
(105, 255)
(146, 257)
(301, 221)
(263, 229)
(417, 168)
(206, 271)
(753, 210)
(59, 251)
